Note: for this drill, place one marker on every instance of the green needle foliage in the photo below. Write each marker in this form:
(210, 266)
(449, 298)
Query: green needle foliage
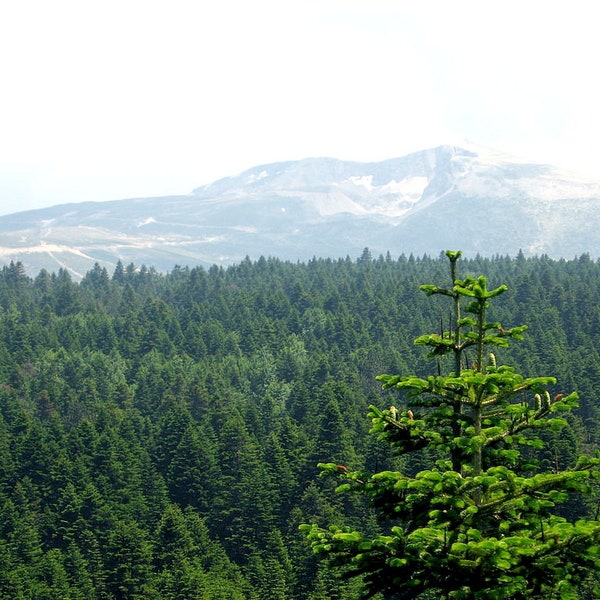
(482, 521)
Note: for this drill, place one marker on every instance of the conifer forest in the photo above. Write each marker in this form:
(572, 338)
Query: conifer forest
(160, 433)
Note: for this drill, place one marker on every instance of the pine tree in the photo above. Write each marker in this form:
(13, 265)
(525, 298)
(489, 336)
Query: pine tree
(483, 520)
(247, 492)
(129, 561)
(193, 472)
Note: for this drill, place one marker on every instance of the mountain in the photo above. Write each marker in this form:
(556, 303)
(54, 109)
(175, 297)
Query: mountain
(423, 203)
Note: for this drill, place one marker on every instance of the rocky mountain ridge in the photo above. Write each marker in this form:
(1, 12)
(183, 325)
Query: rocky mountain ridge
(445, 197)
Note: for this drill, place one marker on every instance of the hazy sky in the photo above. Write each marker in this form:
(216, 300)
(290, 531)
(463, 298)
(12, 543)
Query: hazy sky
(109, 99)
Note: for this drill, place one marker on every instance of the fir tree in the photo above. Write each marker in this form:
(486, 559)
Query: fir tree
(483, 520)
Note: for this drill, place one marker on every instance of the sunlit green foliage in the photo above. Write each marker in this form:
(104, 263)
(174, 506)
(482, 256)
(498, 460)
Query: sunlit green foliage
(482, 521)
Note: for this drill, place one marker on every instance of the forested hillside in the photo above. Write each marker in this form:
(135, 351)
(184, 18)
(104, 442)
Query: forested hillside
(160, 432)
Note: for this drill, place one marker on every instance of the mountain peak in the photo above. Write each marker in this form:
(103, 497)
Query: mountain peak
(449, 196)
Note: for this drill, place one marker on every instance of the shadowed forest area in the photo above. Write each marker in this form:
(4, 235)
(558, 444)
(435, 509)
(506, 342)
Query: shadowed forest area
(160, 433)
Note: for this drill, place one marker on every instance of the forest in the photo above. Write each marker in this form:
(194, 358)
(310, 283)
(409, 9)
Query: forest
(160, 432)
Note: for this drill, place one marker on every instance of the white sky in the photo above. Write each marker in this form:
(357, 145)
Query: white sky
(108, 99)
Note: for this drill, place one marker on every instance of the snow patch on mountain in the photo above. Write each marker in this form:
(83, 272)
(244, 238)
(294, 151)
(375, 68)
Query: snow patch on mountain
(245, 229)
(253, 177)
(328, 203)
(147, 221)
(392, 199)
(365, 180)
(411, 187)
(7, 253)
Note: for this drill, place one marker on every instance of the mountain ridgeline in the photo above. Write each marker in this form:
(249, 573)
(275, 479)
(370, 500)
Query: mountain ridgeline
(444, 197)
(161, 431)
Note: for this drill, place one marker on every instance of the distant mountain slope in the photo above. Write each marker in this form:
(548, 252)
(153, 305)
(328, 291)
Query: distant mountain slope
(445, 197)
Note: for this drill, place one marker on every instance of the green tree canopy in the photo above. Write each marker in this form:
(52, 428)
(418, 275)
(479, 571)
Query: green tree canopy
(482, 521)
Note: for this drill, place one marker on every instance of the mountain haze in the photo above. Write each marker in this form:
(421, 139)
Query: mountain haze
(422, 203)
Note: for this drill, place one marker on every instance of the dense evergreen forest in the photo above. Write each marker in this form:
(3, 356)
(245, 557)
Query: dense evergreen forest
(160, 432)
